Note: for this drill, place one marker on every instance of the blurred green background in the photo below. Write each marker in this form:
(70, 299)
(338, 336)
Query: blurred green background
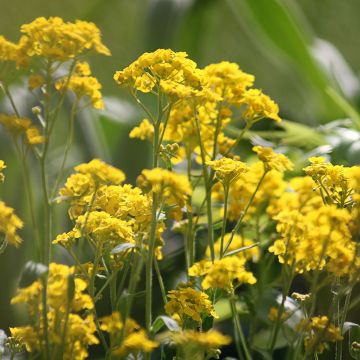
(304, 54)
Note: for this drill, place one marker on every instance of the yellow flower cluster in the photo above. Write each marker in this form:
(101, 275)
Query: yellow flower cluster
(200, 101)
(319, 331)
(313, 233)
(128, 339)
(145, 131)
(173, 189)
(10, 224)
(2, 167)
(243, 188)
(272, 160)
(187, 302)
(105, 211)
(223, 273)
(199, 345)
(332, 181)
(22, 127)
(228, 170)
(66, 300)
(82, 85)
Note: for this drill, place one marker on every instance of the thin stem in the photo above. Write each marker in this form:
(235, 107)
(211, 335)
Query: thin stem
(239, 332)
(207, 189)
(161, 281)
(223, 228)
(239, 222)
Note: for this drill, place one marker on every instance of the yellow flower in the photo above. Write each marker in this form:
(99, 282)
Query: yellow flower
(272, 160)
(82, 69)
(105, 229)
(14, 125)
(176, 75)
(187, 302)
(2, 167)
(174, 189)
(10, 224)
(259, 106)
(319, 331)
(60, 41)
(83, 86)
(101, 171)
(144, 131)
(33, 136)
(205, 340)
(227, 170)
(228, 80)
(223, 273)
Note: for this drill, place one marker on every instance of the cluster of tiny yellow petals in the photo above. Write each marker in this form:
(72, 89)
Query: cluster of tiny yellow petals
(135, 338)
(272, 160)
(2, 167)
(64, 308)
(318, 331)
(188, 302)
(223, 273)
(144, 131)
(332, 181)
(259, 106)
(60, 41)
(174, 189)
(83, 86)
(205, 340)
(16, 127)
(171, 71)
(227, 170)
(10, 223)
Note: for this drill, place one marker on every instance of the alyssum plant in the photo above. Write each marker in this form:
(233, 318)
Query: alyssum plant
(255, 217)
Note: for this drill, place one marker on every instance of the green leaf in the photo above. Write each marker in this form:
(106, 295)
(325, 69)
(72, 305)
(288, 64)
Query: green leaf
(162, 320)
(123, 247)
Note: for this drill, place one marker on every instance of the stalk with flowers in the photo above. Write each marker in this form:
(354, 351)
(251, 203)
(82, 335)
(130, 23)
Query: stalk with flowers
(259, 216)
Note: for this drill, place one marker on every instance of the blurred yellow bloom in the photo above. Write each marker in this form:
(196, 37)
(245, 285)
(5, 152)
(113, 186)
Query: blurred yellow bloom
(10, 224)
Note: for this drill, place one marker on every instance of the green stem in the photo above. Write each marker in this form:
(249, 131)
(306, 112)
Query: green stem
(239, 222)
(223, 228)
(239, 332)
(161, 281)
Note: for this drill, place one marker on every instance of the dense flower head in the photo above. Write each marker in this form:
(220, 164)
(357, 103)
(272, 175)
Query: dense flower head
(227, 170)
(244, 187)
(259, 106)
(211, 339)
(332, 181)
(223, 273)
(186, 302)
(273, 160)
(104, 229)
(65, 304)
(312, 239)
(135, 338)
(172, 188)
(83, 87)
(57, 40)
(144, 131)
(10, 51)
(10, 223)
(172, 71)
(228, 81)
(318, 331)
